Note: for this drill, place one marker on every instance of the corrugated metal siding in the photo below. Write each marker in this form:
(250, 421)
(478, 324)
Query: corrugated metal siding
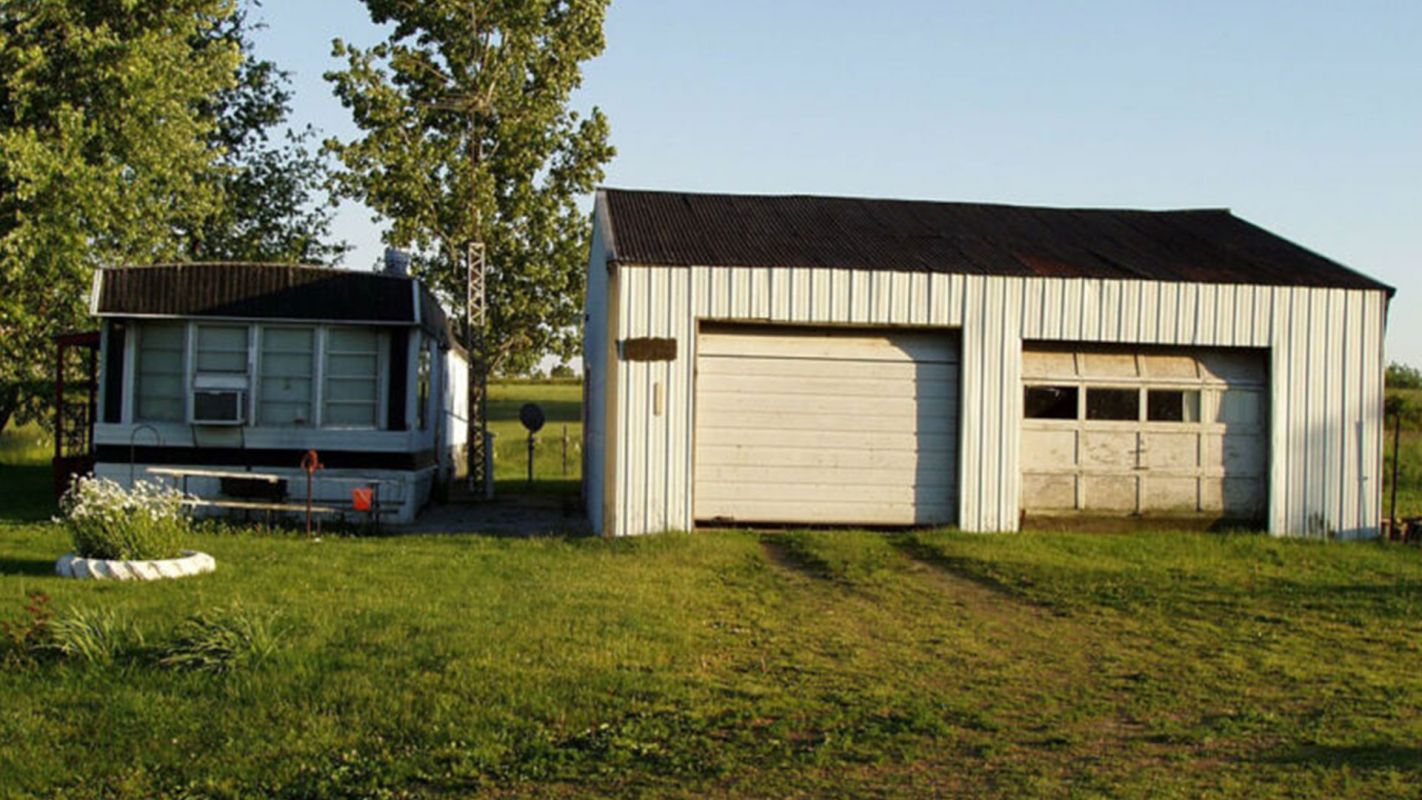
(1325, 369)
(595, 334)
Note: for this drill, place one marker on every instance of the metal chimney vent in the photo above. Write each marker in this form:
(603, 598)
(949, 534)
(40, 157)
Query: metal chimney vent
(397, 262)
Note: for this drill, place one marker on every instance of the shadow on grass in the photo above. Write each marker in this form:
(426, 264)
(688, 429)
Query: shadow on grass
(959, 568)
(790, 554)
(26, 494)
(1360, 757)
(26, 566)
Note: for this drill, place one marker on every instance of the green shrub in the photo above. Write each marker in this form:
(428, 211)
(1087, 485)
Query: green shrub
(93, 636)
(108, 521)
(222, 640)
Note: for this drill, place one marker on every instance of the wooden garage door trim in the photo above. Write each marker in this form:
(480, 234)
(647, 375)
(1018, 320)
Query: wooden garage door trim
(828, 376)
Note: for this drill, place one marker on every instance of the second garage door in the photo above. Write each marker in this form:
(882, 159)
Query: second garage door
(1149, 431)
(826, 426)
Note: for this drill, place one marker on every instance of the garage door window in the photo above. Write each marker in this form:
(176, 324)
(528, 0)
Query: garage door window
(1050, 402)
(1113, 404)
(1172, 405)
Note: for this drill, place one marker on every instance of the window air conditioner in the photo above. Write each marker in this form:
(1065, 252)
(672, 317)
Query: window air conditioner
(219, 399)
(218, 406)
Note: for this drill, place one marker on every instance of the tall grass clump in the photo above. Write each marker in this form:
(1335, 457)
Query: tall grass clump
(93, 636)
(107, 521)
(222, 640)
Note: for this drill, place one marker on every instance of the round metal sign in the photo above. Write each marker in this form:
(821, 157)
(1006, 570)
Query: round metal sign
(531, 416)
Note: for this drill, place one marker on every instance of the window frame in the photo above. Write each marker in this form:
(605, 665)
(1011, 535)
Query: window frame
(142, 331)
(259, 379)
(381, 377)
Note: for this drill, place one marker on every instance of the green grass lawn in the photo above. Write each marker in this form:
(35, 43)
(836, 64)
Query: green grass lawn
(733, 664)
(561, 404)
(728, 664)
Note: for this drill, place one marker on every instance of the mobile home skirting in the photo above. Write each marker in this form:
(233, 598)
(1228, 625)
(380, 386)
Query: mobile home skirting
(1325, 368)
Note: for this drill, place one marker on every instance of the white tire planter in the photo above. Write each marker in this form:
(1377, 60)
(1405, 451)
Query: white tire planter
(191, 563)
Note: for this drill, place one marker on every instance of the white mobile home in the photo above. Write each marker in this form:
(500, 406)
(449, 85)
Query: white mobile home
(243, 368)
(817, 360)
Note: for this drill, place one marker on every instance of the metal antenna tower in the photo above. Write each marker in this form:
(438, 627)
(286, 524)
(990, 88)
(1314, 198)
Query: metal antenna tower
(481, 481)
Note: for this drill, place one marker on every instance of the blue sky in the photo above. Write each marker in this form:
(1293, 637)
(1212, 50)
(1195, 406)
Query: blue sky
(1305, 118)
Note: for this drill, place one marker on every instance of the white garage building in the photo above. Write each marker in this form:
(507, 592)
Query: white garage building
(840, 361)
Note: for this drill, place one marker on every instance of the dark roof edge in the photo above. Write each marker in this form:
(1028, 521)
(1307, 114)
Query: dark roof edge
(1377, 285)
(605, 190)
(602, 203)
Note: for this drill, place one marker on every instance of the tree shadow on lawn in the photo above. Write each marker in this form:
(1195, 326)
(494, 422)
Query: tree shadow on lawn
(26, 493)
(26, 566)
(1358, 757)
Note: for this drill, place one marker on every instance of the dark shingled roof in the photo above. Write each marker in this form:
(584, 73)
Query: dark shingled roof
(722, 230)
(266, 291)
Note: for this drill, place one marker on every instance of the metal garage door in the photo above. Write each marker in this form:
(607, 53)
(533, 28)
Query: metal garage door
(826, 426)
(1156, 431)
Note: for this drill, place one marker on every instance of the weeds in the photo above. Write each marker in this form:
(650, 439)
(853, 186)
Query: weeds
(93, 636)
(26, 638)
(222, 640)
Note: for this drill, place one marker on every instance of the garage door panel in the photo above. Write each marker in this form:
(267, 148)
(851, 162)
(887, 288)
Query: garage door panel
(788, 344)
(850, 441)
(768, 423)
(1171, 494)
(1243, 496)
(1050, 446)
(799, 492)
(941, 384)
(823, 368)
(849, 475)
(1108, 449)
(1109, 492)
(1243, 456)
(854, 406)
(831, 512)
(820, 457)
(850, 428)
(1171, 450)
(1050, 492)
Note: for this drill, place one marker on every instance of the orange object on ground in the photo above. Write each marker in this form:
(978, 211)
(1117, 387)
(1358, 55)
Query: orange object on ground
(362, 497)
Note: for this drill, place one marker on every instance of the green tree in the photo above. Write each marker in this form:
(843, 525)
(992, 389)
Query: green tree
(468, 137)
(105, 149)
(1402, 376)
(275, 201)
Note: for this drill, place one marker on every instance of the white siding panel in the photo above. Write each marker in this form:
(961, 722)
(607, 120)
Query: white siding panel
(1325, 371)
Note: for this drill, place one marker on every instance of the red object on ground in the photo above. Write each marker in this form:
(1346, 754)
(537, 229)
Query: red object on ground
(361, 498)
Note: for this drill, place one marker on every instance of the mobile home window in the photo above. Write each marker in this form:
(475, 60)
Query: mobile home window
(160, 372)
(222, 348)
(285, 394)
(352, 382)
(422, 389)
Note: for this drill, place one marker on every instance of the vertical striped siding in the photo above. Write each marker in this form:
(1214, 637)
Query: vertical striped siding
(1326, 370)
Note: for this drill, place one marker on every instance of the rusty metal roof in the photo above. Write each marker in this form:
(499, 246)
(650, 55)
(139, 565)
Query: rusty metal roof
(724, 230)
(266, 291)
